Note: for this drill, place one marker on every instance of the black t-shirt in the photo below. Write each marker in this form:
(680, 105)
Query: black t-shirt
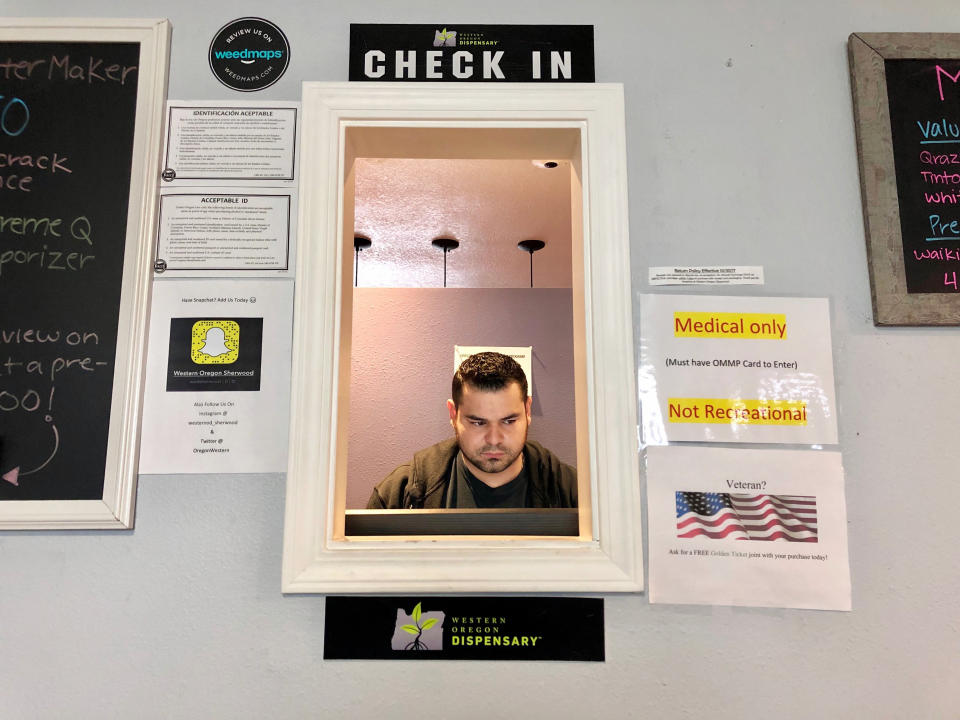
(467, 491)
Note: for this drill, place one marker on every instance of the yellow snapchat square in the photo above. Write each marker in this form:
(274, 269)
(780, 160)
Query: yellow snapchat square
(215, 342)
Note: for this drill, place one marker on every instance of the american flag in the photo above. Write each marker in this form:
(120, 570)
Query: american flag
(736, 516)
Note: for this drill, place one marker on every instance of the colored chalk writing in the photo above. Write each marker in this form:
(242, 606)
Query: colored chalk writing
(924, 101)
(67, 116)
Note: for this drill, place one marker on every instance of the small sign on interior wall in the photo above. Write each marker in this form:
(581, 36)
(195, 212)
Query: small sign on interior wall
(471, 53)
(707, 275)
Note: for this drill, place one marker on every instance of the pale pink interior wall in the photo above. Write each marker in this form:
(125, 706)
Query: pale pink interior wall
(402, 363)
(487, 205)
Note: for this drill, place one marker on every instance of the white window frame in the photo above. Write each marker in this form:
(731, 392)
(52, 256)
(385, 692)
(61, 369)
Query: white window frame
(607, 556)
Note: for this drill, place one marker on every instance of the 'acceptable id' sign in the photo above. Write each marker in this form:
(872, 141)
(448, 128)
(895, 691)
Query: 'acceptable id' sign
(736, 369)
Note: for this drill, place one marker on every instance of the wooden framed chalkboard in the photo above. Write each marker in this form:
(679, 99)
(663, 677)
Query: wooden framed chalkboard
(81, 109)
(906, 98)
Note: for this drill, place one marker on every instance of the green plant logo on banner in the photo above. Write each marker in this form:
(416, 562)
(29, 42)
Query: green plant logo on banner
(445, 38)
(418, 630)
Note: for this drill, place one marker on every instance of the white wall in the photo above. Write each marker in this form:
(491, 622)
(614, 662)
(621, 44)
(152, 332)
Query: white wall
(741, 150)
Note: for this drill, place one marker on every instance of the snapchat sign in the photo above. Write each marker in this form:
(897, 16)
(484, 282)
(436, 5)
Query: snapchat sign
(215, 342)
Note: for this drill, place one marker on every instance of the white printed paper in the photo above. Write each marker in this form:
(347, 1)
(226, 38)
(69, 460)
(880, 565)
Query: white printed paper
(215, 142)
(736, 369)
(216, 233)
(218, 377)
(747, 527)
(523, 356)
(707, 275)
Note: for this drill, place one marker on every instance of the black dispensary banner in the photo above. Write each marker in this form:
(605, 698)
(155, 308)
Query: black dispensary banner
(472, 53)
(463, 628)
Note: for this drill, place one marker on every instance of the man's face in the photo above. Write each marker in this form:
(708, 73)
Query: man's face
(491, 429)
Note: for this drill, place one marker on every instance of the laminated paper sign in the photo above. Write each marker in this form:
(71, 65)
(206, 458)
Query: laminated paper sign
(218, 377)
(760, 527)
(736, 369)
(212, 142)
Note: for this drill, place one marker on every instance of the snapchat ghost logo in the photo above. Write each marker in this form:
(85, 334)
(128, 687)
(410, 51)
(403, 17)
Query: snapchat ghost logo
(215, 342)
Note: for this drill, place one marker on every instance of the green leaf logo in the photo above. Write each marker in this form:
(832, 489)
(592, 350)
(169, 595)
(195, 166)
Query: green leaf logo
(419, 625)
(445, 37)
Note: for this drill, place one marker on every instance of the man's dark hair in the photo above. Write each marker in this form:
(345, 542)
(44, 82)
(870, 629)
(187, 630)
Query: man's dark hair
(488, 372)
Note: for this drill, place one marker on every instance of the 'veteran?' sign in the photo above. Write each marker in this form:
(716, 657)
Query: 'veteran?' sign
(472, 53)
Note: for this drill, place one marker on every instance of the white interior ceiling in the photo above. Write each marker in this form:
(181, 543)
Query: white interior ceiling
(488, 205)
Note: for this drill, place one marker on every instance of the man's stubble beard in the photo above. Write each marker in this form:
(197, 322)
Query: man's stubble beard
(491, 466)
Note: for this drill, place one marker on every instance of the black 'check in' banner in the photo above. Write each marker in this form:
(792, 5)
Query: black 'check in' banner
(471, 53)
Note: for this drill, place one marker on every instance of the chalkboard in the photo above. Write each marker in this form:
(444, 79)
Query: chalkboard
(79, 122)
(906, 91)
(924, 100)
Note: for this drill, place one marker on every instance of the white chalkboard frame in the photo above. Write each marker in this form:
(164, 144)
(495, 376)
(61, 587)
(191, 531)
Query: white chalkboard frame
(607, 556)
(115, 510)
(892, 304)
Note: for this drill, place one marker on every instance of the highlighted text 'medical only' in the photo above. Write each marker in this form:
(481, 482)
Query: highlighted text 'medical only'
(755, 326)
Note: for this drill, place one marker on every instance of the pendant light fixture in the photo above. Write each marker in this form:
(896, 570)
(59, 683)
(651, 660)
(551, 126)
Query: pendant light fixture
(531, 246)
(359, 243)
(446, 244)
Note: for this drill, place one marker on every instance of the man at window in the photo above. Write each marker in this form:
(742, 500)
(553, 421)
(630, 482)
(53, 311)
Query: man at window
(489, 463)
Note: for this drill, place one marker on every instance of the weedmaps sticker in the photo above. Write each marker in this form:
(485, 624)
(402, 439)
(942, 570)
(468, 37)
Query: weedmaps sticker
(249, 54)
(463, 628)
